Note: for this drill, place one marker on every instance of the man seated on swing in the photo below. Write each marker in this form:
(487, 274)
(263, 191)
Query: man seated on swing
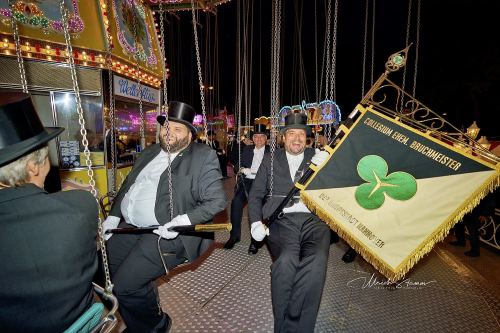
(143, 201)
(48, 247)
(299, 241)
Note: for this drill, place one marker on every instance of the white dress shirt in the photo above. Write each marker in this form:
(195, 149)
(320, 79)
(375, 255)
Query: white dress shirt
(294, 162)
(258, 155)
(138, 204)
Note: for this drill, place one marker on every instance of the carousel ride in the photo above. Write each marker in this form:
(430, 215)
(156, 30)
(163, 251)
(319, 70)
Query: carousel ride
(86, 75)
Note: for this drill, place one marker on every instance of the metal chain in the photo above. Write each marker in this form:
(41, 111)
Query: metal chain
(167, 126)
(163, 59)
(316, 47)
(373, 42)
(167, 123)
(328, 36)
(138, 77)
(275, 84)
(333, 92)
(20, 60)
(238, 78)
(416, 49)
(364, 50)
(109, 63)
(83, 132)
(200, 79)
(406, 44)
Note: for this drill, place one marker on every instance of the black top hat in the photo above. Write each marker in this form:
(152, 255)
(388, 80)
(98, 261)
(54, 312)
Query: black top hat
(180, 113)
(259, 129)
(21, 130)
(296, 120)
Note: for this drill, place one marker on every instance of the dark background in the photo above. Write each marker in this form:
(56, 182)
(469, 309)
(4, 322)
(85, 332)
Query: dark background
(458, 73)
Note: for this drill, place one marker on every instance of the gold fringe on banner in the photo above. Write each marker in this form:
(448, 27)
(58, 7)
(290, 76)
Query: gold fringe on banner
(425, 247)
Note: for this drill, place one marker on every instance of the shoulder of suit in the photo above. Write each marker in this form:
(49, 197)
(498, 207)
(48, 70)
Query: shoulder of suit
(81, 199)
(248, 148)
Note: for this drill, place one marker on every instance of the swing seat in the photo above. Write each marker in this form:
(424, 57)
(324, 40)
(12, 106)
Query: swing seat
(93, 320)
(87, 321)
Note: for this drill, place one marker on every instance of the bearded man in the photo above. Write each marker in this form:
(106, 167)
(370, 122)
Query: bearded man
(137, 260)
(298, 240)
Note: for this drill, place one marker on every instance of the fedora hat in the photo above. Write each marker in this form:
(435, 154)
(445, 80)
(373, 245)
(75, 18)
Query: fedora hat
(21, 130)
(296, 120)
(259, 129)
(180, 113)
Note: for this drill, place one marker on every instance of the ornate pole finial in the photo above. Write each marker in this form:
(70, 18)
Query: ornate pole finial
(397, 60)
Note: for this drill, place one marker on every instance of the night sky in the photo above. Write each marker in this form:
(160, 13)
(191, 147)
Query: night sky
(458, 67)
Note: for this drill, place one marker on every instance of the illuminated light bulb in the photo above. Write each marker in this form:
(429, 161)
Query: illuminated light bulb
(473, 130)
(483, 141)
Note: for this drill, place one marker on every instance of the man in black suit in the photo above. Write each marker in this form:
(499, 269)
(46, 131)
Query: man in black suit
(221, 155)
(47, 247)
(299, 241)
(251, 157)
(473, 221)
(144, 200)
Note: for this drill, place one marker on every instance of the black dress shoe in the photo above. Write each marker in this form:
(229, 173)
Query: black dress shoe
(458, 243)
(165, 325)
(349, 256)
(472, 253)
(230, 243)
(253, 249)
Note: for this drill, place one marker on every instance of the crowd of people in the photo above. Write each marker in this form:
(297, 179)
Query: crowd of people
(48, 246)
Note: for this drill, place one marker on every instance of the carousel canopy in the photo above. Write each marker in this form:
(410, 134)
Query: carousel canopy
(176, 5)
(127, 26)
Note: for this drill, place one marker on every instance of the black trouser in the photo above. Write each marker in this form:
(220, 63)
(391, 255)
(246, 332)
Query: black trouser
(473, 224)
(135, 264)
(223, 164)
(299, 243)
(237, 204)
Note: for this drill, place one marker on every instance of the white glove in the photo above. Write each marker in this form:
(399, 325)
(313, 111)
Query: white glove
(320, 157)
(246, 171)
(176, 221)
(259, 231)
(111, 222)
